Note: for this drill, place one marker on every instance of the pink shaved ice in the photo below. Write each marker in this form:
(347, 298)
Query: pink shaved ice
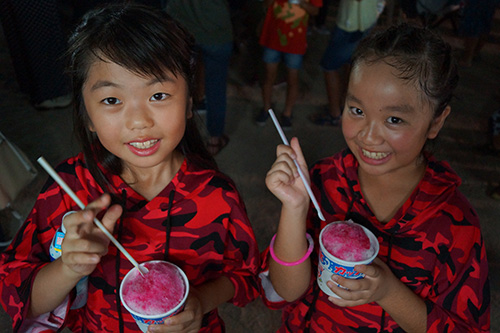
(159, 291)
(347, 241)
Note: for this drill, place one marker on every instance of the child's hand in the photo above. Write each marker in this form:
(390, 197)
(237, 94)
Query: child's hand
(283, 179)
(372, 288)
(187, 321)
(84, 243)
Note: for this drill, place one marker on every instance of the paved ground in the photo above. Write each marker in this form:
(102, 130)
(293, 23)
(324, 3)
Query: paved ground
(251, 149)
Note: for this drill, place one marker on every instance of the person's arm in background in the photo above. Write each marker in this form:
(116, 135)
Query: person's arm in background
(310, 9)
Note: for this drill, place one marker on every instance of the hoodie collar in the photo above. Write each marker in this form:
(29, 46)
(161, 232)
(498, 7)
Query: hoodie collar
(438, 182)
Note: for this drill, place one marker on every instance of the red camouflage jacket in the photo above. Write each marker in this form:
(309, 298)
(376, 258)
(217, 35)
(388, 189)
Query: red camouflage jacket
(210, 236)
(436, 247)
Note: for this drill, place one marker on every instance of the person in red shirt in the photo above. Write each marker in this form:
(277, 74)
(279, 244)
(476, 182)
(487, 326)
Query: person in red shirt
(431, 273)
(146, 174)
(284, 38)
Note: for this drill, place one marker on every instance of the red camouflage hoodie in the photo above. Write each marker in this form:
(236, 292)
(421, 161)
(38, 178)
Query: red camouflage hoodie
(433, 244)
(210, 236)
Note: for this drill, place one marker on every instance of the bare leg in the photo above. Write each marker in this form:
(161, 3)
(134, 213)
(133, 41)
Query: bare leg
(480, 43)
(292, 91)
(470, 45)
(267, 86)
(333, 82)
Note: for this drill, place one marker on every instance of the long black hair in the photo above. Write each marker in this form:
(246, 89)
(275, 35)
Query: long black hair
(145, 41)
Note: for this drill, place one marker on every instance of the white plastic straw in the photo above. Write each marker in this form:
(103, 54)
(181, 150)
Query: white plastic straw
(73, 196)
(304, 180)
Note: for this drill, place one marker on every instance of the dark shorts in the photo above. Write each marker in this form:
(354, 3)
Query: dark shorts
(293, 61)
(477, 18)
(340, 48)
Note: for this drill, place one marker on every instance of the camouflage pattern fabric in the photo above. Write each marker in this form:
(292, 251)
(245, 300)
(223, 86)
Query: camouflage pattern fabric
(210, 237)
(437, 251)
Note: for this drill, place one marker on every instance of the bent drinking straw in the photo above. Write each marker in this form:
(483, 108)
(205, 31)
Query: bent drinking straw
(73, 196)
(304, 180)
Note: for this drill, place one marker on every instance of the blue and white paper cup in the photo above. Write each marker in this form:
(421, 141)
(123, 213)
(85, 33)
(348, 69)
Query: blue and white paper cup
(142, 320)
(329, 265)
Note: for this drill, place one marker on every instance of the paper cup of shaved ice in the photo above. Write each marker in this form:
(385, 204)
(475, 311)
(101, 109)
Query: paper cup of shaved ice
(160, 294)
(343, 245)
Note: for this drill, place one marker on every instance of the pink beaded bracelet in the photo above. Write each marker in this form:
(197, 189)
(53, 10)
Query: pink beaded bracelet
(301, 260)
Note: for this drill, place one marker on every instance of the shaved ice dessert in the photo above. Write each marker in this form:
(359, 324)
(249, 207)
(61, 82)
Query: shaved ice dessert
(343, 245)
(159, 291)
(347, 241)
(157, 295)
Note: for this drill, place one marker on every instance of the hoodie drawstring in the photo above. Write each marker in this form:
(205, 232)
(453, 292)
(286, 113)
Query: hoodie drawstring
(316, 290)
(168, 224)
(363, 221)
(117, 265)
(389, 251)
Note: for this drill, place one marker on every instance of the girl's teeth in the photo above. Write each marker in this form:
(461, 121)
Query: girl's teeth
(144, 145)
(373, 155)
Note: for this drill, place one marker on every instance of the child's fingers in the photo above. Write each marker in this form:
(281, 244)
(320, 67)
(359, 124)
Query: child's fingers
(94, 207)
(284, 164)
(276, 178)
(284, 149)
(78, 223)
(368, 270)
(112, 215)
(285, 154)
(99, 204)
(82, 222)
(90, 244)
(373, 270)
(182, 322)
(294, 143)
(82, 254)
(338, 290)
(81, 258)
(338, 280)
(351, 292)
(347, 286)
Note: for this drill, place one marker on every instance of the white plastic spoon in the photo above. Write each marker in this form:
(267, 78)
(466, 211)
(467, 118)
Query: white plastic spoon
(304, 180)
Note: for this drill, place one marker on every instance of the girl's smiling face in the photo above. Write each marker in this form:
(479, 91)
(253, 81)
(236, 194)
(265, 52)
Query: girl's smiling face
(140, 119)
(386, 121)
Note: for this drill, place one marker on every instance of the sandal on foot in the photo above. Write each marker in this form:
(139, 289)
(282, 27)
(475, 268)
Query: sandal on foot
(286, 122)
(262, 117)
(325, 119)
(215, 148)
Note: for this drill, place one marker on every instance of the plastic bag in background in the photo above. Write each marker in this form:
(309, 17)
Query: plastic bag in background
(16, 172)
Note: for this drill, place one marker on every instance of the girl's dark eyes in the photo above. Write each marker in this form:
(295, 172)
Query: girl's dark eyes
(111, 101)
(158, 97)
(391, 120)
(394, 120)
(114, 100)
(356, 111)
